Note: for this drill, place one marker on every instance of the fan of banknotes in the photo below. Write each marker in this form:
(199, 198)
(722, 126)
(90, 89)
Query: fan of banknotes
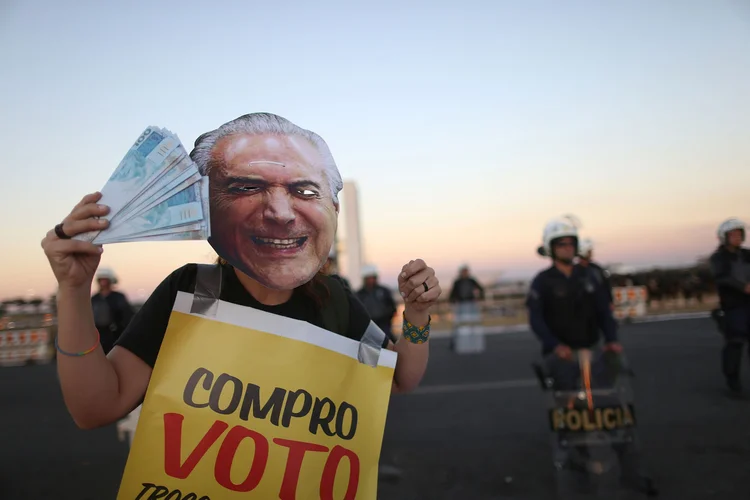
(155, 194)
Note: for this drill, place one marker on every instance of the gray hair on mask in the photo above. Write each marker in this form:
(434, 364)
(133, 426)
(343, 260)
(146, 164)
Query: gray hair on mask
(266, 124)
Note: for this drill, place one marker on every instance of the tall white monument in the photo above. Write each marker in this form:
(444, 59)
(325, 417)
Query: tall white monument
(349, 238)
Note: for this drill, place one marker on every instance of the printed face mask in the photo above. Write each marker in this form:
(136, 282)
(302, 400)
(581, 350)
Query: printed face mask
(273, 213)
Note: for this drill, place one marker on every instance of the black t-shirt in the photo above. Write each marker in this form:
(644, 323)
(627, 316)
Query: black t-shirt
(145, 333)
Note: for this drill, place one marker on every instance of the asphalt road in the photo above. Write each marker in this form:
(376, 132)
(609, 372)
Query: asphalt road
(476, 429)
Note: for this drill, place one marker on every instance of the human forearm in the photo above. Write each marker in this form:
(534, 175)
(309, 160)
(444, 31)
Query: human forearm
(89, 383)
(609, 325)
(722, 272)
(606, 318)
(731, 282)
(541, 330)
(412, 357)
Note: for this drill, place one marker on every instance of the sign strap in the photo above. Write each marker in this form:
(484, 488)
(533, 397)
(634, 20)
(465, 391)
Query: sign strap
(207, 290)
(370, 345)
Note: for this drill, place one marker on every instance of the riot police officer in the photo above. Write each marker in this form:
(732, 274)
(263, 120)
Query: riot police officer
(570, 309)
(377, 299)
(730, 265)
(567, 307)
(112, 311)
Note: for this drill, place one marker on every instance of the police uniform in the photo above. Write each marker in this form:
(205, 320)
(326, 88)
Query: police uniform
(112, 314)
(569, 310)
(731, 272)
(380, 305)
(602, 278)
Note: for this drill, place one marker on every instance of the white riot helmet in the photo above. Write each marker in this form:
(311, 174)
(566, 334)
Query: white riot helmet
(369, 271)
(730, 225)
(563, 227)
(107, 273)
(585, 247)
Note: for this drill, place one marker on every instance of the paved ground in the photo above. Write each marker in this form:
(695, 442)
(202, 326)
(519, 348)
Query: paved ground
(475, 431)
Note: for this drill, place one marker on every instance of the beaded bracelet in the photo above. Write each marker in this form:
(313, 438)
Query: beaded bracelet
(415, 334)
(82, 353)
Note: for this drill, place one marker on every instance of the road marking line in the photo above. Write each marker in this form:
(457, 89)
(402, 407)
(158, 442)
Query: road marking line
(656, 318)
(477, 386)
(524, 328)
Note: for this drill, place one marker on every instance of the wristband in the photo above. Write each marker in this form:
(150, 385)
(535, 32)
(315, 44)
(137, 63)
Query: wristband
(82, 353)
(417, 335)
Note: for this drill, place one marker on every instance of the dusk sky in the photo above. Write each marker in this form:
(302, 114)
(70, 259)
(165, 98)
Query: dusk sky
(466, 125)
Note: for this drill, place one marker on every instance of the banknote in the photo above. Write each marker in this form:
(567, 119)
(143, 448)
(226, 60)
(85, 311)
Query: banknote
(200, 225)
(140, 164)
(197, 234)
(156, 193)
(175, 186)
(161, 188)
(182, 208)
(206, 206)
(174, 159)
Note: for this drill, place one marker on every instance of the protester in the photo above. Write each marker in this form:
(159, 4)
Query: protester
(112, 311)
(377, 299)
(274, 206)
(730, 264)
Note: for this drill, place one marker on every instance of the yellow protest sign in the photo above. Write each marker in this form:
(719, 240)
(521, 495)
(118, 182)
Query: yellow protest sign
(280, 410)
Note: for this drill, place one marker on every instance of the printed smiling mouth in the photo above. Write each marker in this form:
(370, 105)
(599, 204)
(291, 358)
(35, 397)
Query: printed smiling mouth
(281, 244)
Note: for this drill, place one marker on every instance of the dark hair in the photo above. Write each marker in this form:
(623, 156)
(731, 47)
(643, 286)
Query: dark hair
(316, 289)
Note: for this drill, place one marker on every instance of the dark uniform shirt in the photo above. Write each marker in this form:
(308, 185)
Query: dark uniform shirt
(379, 304)
(464, 290)
(569, 310)
(731, 272)
(602, 277)
(112, 314)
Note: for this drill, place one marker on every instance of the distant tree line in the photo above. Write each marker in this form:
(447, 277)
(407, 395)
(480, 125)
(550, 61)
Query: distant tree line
(694, 281)
(7, 304)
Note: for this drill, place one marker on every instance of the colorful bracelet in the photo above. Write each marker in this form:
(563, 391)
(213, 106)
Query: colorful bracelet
(415, 334)
(82, 353)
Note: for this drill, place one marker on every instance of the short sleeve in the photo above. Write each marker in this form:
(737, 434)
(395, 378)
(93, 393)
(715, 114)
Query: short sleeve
(359, 319)
(145, 332)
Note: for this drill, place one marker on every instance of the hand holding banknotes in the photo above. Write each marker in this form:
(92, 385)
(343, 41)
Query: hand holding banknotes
(156, 193)
(74, 262)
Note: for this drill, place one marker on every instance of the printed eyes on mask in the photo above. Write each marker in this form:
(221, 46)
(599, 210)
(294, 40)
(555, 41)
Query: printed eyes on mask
(252, 188)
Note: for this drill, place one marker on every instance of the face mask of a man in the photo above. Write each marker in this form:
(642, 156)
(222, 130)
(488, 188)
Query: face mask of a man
(273, 211)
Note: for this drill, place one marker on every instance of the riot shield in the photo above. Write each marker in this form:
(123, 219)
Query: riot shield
(593, 423)
(468, 334)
